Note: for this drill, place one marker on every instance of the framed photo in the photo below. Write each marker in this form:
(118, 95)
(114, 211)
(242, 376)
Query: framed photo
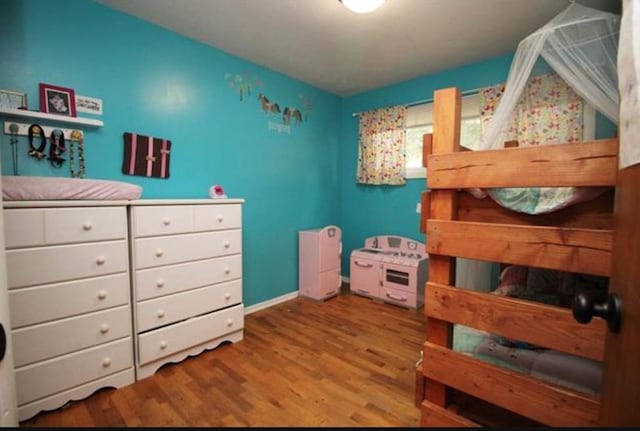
(57, 100)
(13, 99)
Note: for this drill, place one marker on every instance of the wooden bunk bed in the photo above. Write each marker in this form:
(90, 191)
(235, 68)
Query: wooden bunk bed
(576, 239)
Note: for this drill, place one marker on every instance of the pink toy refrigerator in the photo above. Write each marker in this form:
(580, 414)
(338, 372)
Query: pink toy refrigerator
(319, 262)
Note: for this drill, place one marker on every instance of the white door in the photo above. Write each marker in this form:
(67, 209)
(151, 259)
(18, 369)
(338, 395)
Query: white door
(8, 407)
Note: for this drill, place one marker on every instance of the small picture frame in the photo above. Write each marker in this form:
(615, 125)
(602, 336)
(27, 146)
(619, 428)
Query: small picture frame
(57, 100)
(13, 99)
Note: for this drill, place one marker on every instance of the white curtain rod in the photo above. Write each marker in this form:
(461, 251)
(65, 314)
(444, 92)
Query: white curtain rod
(420, 102)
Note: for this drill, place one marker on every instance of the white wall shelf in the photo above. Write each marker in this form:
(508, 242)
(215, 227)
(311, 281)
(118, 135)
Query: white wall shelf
(89, 122)
(23, 129)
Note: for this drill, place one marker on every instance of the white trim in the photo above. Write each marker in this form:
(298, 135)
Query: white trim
(345, 279)
(588, 122)
(270, 302)
(23, 113)
(23, 129)
(413, 173)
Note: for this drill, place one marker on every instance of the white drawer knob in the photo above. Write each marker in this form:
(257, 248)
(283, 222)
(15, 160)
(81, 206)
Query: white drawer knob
(227, 244)
(102, 294)
(160, 283)
(227, 296)
(100, 260)
(87, 226)
(227, 270)
(163, 344)
(106, 362)
(166, 221)
(160, 314)
(229, 322)
(159, 252)
(220, 218)
(104, 328)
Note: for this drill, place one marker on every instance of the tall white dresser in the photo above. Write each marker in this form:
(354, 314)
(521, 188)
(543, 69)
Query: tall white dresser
(69, 295)
(187, 278)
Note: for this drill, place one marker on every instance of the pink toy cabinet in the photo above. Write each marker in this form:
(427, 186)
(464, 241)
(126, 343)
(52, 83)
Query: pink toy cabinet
(319, 262)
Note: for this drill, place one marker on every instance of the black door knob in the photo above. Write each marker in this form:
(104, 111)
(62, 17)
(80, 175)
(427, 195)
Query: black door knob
(3, 342)
(584, 308)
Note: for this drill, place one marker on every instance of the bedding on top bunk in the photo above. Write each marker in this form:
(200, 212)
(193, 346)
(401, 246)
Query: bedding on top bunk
(549, 287)
(27, 188)
(538, 200)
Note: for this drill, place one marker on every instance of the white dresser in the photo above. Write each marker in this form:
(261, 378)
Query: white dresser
(187, 278)
(69, 299)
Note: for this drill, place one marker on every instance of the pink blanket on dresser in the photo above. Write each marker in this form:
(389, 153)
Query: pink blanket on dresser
(30, 188)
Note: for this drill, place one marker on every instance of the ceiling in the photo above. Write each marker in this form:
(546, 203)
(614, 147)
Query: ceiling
(324, 44)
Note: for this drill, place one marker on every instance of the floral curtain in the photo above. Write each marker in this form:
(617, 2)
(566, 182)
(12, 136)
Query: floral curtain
(549, 112)
(381, 146)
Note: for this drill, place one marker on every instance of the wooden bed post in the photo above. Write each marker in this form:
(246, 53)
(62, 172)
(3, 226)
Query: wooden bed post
(446, 139)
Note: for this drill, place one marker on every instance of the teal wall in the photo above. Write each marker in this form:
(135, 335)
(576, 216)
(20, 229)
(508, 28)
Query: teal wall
(155, 82)
(391, 210)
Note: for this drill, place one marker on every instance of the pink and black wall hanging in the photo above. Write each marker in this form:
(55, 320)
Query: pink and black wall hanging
(146, 156)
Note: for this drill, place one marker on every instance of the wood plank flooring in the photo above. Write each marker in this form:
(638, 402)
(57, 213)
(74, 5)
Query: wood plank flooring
(346, 362)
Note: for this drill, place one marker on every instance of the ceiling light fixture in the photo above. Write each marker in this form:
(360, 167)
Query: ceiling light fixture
(362, 6)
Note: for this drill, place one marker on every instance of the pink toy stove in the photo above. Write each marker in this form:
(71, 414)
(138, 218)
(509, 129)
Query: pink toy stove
(391, 268)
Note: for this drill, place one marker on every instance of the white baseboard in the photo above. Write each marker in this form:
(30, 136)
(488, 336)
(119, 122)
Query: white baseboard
(275, 301)
(270, 302)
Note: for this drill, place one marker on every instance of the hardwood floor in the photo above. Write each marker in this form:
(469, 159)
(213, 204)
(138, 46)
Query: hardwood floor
(346, 362)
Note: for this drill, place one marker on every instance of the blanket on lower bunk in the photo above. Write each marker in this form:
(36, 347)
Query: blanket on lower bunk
(550, 287)
(563, 369)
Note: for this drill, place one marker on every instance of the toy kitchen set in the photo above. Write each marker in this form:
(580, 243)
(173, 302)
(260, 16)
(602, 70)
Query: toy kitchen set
(390, 268)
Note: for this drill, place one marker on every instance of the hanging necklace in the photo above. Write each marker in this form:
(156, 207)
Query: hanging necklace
(56, 148)
(38, 153)
(13, 129)
(76, 136)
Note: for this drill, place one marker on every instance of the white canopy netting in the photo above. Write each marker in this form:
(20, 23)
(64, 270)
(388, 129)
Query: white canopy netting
(581, 46)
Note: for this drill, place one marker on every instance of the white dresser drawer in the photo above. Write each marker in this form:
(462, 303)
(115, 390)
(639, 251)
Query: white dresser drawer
(171, 339)
(50, 226)
(150, 252)
(38, 304)
(165, 280)
(70, 225)
(23, 227)
(28, 267)
(57, 374)
(217, 217)
(162, 220)
(173, 308)
(48, 340)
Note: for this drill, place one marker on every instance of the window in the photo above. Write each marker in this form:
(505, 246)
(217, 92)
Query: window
(420, 121)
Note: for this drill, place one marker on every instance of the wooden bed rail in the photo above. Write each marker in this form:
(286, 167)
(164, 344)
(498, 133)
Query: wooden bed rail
(442, 205)
(581, 164)
(536, 323)
(527, 396)
(433, 415)
(586, 251)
